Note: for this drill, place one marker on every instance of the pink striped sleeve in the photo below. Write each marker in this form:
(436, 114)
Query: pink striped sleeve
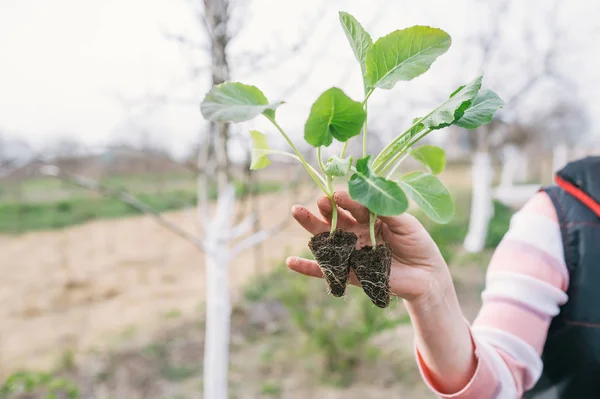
(525, 286)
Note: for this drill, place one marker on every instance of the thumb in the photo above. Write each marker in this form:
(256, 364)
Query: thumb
(401, 224)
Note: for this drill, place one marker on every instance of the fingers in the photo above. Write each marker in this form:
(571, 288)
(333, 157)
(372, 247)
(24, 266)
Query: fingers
(345, 220)
(304, 266)
(308, 220)
(311, 268)
(360, 213)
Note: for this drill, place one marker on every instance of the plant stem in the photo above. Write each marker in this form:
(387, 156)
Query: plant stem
(334, 211)
(384, 155)
(367, 95)
(344, 148)
(319, 180)
(321, 165)
(416, 140)
(364, 104)
(364, 144)
(395, 166)
(372, 219)
(401, 154)
(276, 152)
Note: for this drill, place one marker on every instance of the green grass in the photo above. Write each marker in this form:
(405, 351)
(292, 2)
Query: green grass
(271, 389)
(22, 217)
(337, 330)
(30, 382)
(32, 189)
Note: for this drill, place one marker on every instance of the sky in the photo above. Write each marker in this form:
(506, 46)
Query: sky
(106, 71)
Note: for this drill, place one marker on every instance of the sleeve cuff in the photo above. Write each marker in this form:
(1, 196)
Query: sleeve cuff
(483, 383)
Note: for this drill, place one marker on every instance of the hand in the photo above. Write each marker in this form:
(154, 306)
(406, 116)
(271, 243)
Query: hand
(417, 264)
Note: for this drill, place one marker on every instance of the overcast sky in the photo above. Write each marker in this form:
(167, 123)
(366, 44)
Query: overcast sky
(85, 69)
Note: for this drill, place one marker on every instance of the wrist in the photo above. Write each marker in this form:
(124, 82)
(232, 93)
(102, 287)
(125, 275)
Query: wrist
(442, 337)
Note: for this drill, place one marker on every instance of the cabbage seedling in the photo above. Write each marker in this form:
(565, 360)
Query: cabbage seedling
(399, 56)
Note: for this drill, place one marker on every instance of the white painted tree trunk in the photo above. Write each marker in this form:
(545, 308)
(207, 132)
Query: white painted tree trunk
(510, 165)
(482, 206)
(514, 166)
(218, 301)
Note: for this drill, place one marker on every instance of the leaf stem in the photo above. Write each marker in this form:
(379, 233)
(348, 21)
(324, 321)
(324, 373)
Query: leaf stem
(367, 95)
(316, 176)
(334, 211)
(384, 155)
(404, 156)
(321, 165)
(364, 143)
(364, 104)
(344, 148)
(372, 219)
(277, 152)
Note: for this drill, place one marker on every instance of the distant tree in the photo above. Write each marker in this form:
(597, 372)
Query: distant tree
(532, 67)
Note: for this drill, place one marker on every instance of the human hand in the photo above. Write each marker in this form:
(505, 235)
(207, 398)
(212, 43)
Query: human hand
(417, 264)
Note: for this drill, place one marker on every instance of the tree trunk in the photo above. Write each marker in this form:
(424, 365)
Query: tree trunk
(217, 18)
(218, 302)
(511, 165)
(482, 205)
(218, 306)
(218, 315)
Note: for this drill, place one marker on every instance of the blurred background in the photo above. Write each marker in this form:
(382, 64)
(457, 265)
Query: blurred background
(109, 176)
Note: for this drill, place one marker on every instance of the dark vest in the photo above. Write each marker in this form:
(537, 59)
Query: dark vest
(571, 355)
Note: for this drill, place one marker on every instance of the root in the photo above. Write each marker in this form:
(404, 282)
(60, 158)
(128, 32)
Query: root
(372, 267)
(332, 253)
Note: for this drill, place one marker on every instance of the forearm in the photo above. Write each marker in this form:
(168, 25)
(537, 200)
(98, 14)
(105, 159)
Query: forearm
(499, 354)
(442, 336)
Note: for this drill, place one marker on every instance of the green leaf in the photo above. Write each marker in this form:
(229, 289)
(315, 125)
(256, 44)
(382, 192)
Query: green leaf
(360, 41)
(236, 102)
(379, 195)
(430, 194)
(404, 55)
(481, 111)
(431, 156)
(333, 115)
(337, 166)
(260, 150)
(453, 109)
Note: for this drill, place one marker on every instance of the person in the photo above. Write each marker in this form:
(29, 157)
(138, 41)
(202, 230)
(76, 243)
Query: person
(537, 333)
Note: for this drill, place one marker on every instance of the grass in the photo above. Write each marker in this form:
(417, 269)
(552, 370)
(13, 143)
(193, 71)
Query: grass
(271, 389)
(29, 382)
(20, 217)
(338, 331)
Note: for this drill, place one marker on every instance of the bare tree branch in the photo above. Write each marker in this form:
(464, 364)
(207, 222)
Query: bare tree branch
(244, 226)
(255, 62)
(296, 84)
(186, 42)
(263, 235)
(123, 196)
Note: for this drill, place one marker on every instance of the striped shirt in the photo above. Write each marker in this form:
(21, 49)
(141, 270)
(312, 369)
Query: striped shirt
(526, 282)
